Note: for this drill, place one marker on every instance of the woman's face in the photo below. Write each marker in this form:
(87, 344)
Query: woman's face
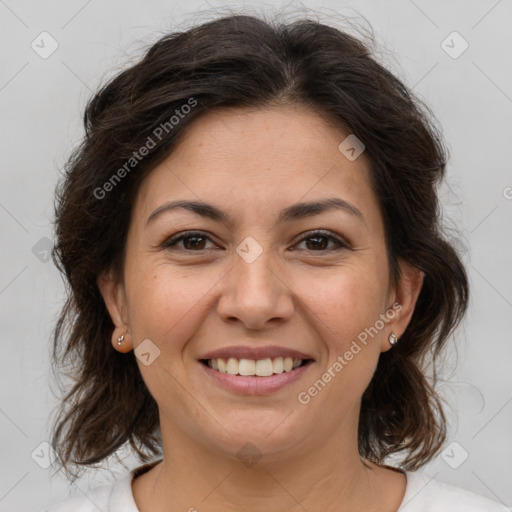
(256, 277)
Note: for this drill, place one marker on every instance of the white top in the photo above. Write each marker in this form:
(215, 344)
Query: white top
(422, 494)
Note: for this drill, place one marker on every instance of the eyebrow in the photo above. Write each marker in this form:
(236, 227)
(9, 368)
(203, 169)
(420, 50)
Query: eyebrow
(295, 212)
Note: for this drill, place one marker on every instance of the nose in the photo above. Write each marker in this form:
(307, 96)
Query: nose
(255, 293)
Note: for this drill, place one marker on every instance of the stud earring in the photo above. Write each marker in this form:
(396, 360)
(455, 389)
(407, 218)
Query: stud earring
(120, 340)
(393, 339)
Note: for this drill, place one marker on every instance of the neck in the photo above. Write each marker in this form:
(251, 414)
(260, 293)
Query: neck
(324, 476)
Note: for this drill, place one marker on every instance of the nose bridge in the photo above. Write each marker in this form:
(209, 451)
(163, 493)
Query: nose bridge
(255, 293)
(254, 269)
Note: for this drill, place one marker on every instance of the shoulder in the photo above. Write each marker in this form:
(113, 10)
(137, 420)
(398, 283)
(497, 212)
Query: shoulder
(425, 494)
(106, 498)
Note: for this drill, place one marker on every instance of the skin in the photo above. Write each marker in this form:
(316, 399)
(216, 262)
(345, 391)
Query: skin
(298, 293)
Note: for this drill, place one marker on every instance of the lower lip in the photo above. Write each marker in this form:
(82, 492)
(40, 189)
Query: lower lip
(253, 385)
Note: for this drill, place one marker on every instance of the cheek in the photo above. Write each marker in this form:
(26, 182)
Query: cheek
(167, 304)
(343, 303)
(345, 307)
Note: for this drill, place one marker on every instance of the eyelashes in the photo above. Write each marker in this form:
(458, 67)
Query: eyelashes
(317, 235)
(174, 240)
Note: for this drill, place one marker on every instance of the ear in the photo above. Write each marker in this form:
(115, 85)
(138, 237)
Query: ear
(403, 301)
(114, 295)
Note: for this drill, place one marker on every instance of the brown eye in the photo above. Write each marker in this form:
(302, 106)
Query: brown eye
(192, 241)
(319, 241)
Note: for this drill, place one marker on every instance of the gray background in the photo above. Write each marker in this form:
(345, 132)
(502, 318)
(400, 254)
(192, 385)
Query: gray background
(42, 101)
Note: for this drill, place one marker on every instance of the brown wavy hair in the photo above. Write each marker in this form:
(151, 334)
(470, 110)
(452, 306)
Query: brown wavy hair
(246, 61)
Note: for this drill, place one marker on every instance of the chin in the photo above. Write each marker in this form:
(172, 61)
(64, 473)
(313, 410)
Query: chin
(265, 434)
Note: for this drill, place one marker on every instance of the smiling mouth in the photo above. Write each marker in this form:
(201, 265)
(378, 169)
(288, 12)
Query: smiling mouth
(255, 368)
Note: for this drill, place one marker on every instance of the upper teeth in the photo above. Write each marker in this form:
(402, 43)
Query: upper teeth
(260, 367)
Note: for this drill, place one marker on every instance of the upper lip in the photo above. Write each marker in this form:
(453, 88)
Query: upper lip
(244, 352)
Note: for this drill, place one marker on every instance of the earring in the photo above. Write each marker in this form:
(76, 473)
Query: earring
(393, 339)
(120, 340)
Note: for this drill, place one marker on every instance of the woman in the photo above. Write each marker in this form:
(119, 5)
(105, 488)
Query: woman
(257, 273)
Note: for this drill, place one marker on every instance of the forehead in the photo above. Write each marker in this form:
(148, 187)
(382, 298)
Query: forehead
(252, 159)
